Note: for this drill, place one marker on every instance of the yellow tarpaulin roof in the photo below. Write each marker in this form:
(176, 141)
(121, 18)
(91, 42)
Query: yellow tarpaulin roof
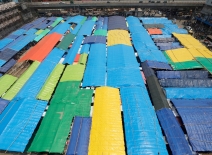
(180, 55)
(106, 135)
(118, 37)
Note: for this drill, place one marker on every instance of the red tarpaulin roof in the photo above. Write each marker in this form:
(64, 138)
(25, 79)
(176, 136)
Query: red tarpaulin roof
(42, 49)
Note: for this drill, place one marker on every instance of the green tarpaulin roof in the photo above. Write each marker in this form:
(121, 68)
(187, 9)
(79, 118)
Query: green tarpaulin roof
(64, 44)
(41, 35)
(205, 62)
(39, 32)
(50, 84)
(59, 19)
(11, 93)
(83, 58)
(55, 127)
(183, 65)
(94, 19)
(73, 73)
(6, 82)
(100, 32)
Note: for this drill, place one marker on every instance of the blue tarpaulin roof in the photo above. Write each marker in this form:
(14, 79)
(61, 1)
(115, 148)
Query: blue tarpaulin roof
(147, 70)
(121, 56)
(76, 29)
(161, 36)
(3, 104)
(16, 131)
(73, 50)
(5, 42)
(196, 116)
(154, 20)
(37, 80)
(124, 77)
(61, 28)
(7, 66)
(16, 41)
(182, 74)
(186, 83)
(80, 134)
(142, 131)
(117, 22)
(95, 72)
(76, 19)
(158, 65)
(2, 62)
(87, 28)
(174, 134)
(31, 31)
(19, 32)
(85, 48)
(7, 54)
(23, 42)
(188, 93)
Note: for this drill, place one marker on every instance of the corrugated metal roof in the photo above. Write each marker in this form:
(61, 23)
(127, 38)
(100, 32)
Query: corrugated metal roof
(6, 81)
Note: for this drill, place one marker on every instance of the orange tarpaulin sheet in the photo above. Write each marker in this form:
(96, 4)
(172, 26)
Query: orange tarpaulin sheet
(77, 58)
(154, 31)
(42, 49)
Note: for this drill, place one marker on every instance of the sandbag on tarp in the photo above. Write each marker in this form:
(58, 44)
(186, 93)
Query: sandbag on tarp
(174, 134)
(147, 70)
(117, 22)
(156, 93)
(188, 93)
(158, 65)
(186, 83)
(159, 26)
(196, 117)
(194, 74)
(3, 104)
(163, 40)
(80, 134)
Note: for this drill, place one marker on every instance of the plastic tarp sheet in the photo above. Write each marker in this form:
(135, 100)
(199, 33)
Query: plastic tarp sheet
(158, 65)
(41, 35)
(56, 22)
(2, 62)
(121, 56)
(68, 101)
(73, 73)
(23, 42)
(4, 42)
(142, 130)
(80, 134)
(117, 22)
(19, 32)
(196, 116)
(156, 93)
(154, 20)
(13, 37)
(86, 28)
(6, 55)
(85, 48)
(188, 93)
(73, 50)
(7, 66)
(124, 77)
(100, 32)
(66, 42)
(37, 80)
(6, 82)
(83, 58)
(61, 28)
(3, 104)
(76, 19)
(16, 87)
(174, 134)
(118, 37)
(147, 70)
(183, 83)
(16, 131)
(42, 49)
(159, 26)
(154, 31)
(50, 84)
(151, 55)
(31, 31)
(161, 36)
(106, 134)
(194, 74)
(95, 72)
(95, 39)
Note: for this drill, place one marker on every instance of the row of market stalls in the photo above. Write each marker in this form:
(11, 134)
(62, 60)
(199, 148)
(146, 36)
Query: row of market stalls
(106, 85)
